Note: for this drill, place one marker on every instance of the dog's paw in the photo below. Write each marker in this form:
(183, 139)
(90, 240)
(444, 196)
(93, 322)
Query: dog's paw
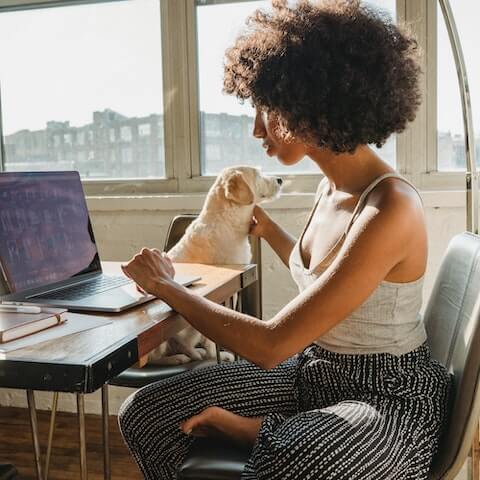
(199, 353)
(227, 357)
(177, 359)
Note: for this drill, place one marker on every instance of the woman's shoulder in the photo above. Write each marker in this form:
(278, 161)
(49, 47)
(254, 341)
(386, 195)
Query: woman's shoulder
(395, 212)
(396, 194)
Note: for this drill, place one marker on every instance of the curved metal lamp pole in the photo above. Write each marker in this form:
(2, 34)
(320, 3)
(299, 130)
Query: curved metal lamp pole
(471, 174)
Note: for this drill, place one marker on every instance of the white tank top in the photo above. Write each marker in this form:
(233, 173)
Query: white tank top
(389, 321)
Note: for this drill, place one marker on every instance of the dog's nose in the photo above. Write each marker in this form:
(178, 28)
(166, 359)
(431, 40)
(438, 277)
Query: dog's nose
(279, 180)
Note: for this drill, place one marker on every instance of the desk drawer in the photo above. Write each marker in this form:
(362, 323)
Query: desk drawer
(53, 377)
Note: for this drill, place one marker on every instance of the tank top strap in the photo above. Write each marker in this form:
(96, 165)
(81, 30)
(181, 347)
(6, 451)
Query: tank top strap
(368, 190)
(318, 195)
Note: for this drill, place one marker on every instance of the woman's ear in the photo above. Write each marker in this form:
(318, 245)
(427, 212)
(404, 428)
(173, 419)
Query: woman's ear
(237, 189)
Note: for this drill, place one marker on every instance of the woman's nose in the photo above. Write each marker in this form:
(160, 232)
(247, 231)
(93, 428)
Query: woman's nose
(258, 127)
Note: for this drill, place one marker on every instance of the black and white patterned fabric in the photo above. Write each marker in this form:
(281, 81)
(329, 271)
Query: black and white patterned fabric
(326, 415)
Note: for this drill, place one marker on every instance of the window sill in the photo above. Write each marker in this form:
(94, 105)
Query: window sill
(288, 201)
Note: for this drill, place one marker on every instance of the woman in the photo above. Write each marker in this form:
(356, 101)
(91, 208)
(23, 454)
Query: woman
(339, 384)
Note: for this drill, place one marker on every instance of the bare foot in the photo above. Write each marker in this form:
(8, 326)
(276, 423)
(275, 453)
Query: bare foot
(217, 421)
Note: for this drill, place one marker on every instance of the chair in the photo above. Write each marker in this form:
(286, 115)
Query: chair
(452, 320)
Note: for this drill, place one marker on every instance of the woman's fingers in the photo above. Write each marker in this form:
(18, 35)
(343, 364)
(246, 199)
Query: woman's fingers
(125, 270)
(253, 225)
(147, 268)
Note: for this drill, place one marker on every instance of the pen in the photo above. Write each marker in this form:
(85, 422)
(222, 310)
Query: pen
(20, 309)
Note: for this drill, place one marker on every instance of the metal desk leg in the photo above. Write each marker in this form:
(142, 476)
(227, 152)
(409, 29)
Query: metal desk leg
(82, 438)
(51, 432)
(217, 352)
(34, 428)
(239, 308)
(106, 440)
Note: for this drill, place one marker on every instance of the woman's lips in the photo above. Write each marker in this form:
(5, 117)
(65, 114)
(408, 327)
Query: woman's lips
(268, 148)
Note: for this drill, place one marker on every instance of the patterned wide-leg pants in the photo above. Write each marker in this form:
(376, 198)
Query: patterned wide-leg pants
(326, 416)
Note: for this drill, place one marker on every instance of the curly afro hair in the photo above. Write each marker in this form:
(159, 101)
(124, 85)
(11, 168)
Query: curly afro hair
(336, 74)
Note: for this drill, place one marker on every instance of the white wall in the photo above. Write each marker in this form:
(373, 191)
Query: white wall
(122, 226)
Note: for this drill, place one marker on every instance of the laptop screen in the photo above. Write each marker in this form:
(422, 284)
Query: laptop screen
(45, 230)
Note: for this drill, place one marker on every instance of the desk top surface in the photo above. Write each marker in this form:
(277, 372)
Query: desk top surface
(150, 323)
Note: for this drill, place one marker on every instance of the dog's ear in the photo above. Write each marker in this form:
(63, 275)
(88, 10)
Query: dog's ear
(237, 189)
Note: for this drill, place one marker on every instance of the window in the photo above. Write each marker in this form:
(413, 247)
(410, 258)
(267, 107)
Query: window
(126, 133)
(81, 138)
(225, 125)
(144, 130)
(450, 130)
(88, 94)
(84, 68)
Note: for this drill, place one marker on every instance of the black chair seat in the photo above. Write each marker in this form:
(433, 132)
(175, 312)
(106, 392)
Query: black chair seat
(139, 377)
(8, 472)
(214, 459)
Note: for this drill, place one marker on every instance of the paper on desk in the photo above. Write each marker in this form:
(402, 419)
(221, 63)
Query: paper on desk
(72, 325)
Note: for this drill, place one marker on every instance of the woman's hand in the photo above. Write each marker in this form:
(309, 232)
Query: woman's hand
(148, 268)
(260, 223)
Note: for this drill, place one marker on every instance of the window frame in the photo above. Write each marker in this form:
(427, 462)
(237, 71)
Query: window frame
(419, 141)
(415, 148)
(113, 186)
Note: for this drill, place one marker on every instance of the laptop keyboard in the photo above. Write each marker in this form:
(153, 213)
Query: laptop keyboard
(86, 289)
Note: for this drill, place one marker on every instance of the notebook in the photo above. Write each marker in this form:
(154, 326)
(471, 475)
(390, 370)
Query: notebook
(17, 325)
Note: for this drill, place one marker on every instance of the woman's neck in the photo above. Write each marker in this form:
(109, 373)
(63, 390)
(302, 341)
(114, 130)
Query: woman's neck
(349, 172)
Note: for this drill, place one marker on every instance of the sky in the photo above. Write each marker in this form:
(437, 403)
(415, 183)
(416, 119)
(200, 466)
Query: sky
(78, 59)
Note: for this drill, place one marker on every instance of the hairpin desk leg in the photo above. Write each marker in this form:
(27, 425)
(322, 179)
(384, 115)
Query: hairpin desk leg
(217, 351)
(106, 440)
(34, 428)
(238, 307)
(82, 438)
(51, 431)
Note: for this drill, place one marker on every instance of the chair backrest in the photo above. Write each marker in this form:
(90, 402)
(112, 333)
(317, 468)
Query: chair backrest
(252, 295)
(453, 327)
(177, 228)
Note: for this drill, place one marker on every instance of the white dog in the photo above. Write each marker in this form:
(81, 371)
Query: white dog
(218, 236)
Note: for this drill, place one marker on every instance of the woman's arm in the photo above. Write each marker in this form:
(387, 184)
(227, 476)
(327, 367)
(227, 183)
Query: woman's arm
(380, 239)
(281, 241)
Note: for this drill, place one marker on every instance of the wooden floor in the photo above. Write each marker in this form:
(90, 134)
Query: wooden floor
(16, 446)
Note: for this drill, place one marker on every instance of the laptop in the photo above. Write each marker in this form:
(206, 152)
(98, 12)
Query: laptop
(48, 253)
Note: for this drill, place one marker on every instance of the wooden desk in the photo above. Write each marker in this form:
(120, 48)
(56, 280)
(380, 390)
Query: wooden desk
(84, 362)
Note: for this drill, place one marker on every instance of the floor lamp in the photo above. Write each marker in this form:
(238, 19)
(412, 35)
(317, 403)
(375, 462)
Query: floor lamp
(471, 177)
(471, 174)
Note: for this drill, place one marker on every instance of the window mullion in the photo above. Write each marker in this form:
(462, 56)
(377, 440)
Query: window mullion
(166, 74)
(176, 89)
(400, 151)
(431, 83)
(413, 142)
(192, 48)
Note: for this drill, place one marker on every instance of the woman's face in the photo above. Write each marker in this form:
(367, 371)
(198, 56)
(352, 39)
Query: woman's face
(265, 128)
